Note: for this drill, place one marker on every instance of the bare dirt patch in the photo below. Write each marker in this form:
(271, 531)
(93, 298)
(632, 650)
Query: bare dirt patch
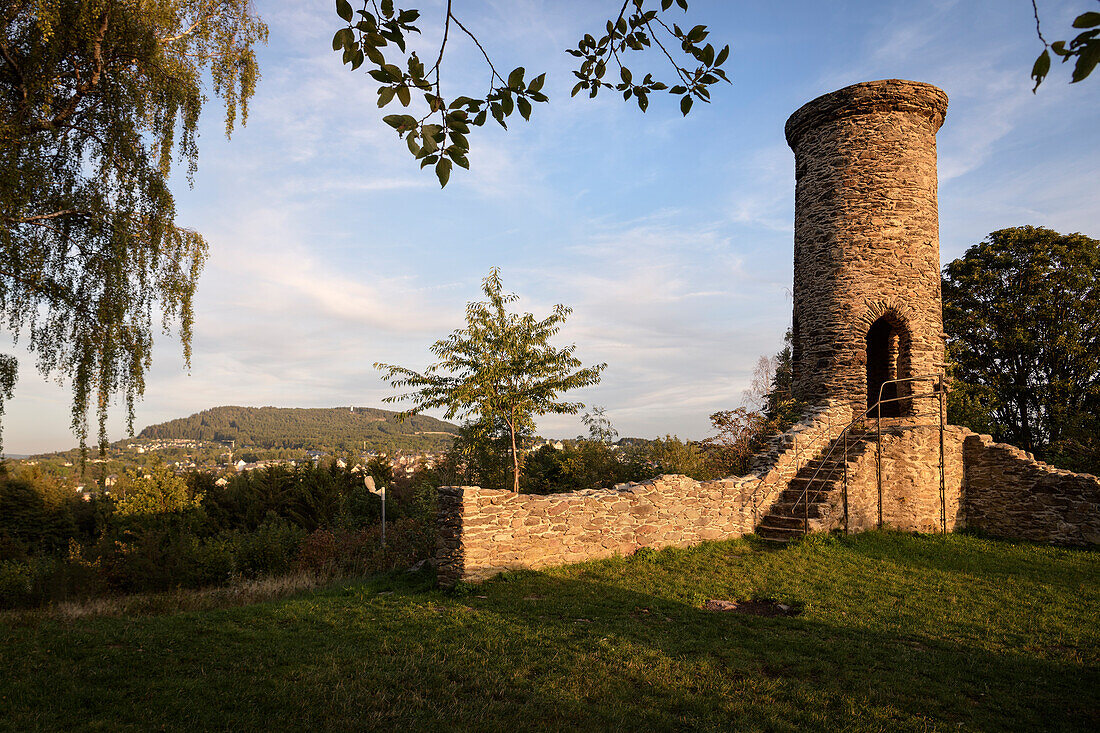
(753, 608)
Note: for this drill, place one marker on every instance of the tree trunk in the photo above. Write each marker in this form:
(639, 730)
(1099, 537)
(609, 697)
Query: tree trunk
(515, 457)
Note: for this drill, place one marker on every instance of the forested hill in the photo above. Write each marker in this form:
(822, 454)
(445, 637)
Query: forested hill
(293, 427)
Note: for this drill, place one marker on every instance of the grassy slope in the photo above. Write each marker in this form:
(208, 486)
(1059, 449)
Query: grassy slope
(897, 632)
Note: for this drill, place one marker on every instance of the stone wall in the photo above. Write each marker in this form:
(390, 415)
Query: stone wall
(484, 531)
(1010, 494)
(911, 481)
(866, 237)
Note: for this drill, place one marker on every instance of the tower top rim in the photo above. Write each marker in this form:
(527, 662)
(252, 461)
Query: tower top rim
(869, 97)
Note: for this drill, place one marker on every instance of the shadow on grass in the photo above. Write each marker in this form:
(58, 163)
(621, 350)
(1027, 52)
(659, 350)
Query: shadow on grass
(573, 649)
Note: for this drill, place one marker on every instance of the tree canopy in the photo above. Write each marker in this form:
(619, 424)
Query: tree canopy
(97, 99)
(1022, 315)
(500, 368)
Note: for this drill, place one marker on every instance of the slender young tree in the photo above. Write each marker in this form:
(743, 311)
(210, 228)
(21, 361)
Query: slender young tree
(96, 99)
(501, 367)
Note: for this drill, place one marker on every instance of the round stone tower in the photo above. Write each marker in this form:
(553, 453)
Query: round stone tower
(866, 244)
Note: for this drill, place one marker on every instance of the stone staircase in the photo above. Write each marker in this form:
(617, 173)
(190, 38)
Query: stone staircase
(814, 495)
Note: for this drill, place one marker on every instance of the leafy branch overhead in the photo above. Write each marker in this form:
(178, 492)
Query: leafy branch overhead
(1085, 48)
(378, 33)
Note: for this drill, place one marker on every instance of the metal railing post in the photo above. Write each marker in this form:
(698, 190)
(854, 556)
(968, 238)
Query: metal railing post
(878, 454)
(846, 531)
(943, 465)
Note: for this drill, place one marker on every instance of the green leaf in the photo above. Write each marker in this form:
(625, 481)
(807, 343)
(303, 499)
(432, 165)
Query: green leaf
(722, 56)
(685, 104)
(536, 83)
(387, 8)
(342, 38)
(1087, 20)
(404, 96)
(443, 171)
(394, 121)
(643, 101)
(625, 74)
(524, 108)
(385, 96)
(515, 79)
(1086, 62)
(666, 4)
(435, 132)
(343, 9)
(374, 55)
(1040, 69)
(411, 142)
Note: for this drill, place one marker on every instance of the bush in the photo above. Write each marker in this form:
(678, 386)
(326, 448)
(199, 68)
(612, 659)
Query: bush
(41, 580)
(360, 552)
(270, 550)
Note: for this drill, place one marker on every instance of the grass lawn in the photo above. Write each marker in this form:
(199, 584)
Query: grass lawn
(895, 631)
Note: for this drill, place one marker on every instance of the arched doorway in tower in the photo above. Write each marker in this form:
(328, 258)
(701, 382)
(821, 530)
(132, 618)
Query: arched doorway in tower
(888, 344)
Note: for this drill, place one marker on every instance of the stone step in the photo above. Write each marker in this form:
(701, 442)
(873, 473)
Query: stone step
(814, 496)
(780, 522)
(822, 479)
(780, 534)
(816, 510)
(812, 467)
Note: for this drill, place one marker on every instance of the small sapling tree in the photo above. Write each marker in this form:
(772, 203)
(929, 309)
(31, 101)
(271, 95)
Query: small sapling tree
(501, 368)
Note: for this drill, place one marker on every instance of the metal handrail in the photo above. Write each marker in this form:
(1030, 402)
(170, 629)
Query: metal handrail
(845, 433)
(757, 498)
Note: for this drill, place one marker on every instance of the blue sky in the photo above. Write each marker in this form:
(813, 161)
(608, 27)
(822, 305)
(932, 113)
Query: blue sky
(671, 238)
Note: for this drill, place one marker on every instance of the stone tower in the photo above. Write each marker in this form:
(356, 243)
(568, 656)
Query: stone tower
(867, 303)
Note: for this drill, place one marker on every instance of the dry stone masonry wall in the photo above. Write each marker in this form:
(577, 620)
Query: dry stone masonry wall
(485, 531)
(1010, 494)
(910, 498)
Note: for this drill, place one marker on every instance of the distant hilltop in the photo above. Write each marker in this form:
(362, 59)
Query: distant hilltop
(295, 427)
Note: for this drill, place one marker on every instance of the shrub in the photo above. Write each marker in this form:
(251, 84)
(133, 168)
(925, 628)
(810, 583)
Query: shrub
(270, 550)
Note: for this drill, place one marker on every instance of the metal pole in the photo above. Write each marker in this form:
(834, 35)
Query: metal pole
(878, 426)
(383, 515)
(943, 487)
(846, 482)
